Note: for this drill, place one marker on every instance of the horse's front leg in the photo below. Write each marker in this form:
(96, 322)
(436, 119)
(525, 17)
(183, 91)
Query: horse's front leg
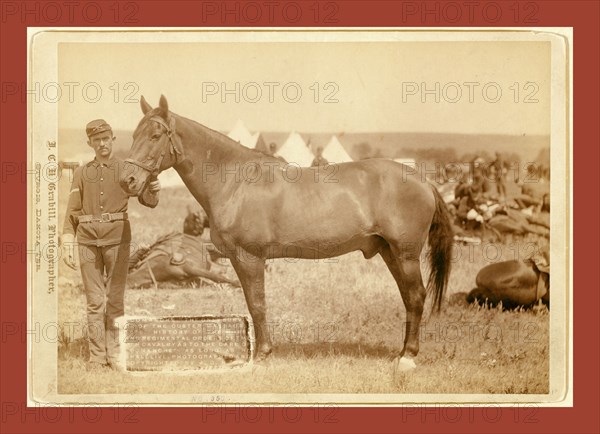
(251, 272)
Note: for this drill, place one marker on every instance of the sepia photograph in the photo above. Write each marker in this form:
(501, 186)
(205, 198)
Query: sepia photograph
(332, 216)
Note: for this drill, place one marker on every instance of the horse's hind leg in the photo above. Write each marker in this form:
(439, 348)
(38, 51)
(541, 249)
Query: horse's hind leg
(251, 272)
(406, 269)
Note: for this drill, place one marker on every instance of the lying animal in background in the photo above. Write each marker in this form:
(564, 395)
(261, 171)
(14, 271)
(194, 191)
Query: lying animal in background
(512, 283)
(504, 224)
(178, 256)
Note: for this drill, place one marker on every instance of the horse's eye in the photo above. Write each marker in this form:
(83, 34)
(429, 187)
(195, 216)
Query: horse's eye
(156, 136)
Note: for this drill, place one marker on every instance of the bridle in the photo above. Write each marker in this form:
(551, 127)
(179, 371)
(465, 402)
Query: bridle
(172, 147)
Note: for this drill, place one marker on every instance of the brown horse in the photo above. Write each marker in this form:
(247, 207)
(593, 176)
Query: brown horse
(260, 208)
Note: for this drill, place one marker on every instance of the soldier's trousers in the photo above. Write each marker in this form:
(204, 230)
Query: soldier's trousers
(104, 275)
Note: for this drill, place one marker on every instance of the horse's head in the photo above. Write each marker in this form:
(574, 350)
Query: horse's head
(156, 147)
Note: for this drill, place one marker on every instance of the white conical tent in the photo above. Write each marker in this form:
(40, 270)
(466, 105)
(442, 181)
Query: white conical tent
(334, 152)
(294, 150)
(241, 135)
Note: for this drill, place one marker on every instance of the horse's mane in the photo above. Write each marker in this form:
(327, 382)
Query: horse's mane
(209, 131)
(228, 140)
(162, 239)
(147, 116)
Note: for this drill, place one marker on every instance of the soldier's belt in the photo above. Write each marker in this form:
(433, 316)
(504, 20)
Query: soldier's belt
(103, 218)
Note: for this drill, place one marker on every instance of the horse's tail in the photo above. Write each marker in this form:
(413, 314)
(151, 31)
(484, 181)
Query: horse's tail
(440, 242)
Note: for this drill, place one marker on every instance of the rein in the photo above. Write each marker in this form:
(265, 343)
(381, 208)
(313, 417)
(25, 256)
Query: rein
(172, 147)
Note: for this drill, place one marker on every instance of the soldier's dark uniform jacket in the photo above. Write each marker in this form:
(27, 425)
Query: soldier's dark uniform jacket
(103, 196)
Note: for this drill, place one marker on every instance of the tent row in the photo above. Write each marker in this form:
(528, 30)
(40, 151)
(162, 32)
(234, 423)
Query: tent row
(293, 150)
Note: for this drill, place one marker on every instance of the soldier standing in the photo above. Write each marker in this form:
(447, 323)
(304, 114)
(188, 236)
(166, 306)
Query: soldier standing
(319, 159)
(97, 217)
(498, 165)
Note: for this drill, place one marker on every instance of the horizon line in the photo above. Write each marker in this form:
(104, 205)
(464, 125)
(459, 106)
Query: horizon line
(354, 132)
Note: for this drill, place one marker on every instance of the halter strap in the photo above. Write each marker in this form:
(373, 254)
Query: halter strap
(173, 149)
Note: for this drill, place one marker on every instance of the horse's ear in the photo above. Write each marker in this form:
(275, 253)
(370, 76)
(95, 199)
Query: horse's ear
(164, 107)
(145, 106)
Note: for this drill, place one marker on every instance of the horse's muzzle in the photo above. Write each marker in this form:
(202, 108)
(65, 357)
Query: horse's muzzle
(131, 185)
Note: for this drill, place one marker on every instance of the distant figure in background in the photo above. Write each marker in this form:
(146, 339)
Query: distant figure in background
(273, 150)
(534, 194)
(468, 197)
(179, 256)
(480, 183)
(319, 159)
(195, 224)
(498, 166)
(546, 172)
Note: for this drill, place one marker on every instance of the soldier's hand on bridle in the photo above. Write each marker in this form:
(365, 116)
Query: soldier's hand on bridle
(154, 186)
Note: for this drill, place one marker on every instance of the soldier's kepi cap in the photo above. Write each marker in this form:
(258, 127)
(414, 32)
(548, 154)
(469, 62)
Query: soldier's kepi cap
(96, 127)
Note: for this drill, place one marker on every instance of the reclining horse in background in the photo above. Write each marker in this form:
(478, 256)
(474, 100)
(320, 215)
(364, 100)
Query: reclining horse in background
(260, 208)
(178, 256)
(514, 283)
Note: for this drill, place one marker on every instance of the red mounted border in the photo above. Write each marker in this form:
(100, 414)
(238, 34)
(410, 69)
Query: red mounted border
(15, 18)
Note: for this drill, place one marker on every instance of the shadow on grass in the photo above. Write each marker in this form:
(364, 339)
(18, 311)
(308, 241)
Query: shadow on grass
(318, 350)
(78, 349)
(74, 349)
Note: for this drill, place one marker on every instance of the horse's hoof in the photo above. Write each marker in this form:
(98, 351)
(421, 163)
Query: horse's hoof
(262, 355)
(404, 364)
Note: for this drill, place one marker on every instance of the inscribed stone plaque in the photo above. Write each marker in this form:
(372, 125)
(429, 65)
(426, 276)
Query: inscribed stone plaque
(187, 343)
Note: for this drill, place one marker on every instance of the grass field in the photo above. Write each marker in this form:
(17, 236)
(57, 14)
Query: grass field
(337, 325)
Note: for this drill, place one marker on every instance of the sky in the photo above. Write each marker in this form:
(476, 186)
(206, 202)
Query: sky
(369, 86)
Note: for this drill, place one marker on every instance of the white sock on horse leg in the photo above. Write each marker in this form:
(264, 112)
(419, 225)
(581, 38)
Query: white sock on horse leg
(405, 364)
